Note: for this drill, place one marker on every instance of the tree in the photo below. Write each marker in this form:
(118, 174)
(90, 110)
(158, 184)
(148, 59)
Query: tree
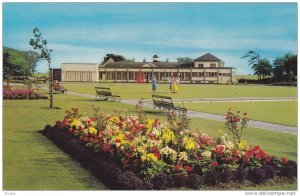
(285, 68)
(264, 68)
(290, 66)
(278, 70)
(185, 60)
(253, 57)
(38, 43)
(33, 58)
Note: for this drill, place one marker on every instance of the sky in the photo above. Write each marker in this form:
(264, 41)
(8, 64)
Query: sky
(86, 32)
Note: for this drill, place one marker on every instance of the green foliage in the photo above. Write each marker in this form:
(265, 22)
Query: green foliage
(17, 62)
(236, 125)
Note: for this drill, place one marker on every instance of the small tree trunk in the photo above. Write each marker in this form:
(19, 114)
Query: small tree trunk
(51, 88)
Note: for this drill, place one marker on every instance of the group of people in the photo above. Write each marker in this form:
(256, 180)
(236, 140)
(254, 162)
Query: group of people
(174, 84)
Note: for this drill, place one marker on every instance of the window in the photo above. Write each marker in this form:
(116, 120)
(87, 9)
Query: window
(195, 74)
(213, 65)
(201, 65)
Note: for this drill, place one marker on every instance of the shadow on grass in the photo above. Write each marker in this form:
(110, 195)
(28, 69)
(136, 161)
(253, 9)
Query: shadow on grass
(54, 108)
(152, 112)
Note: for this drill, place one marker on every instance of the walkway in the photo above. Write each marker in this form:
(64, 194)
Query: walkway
(190, 113)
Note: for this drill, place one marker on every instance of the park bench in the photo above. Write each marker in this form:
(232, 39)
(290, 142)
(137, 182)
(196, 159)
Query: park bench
(166, 103)
(105, 94)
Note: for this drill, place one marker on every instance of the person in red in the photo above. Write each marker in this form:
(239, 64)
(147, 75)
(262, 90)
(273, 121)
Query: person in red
(58, 86)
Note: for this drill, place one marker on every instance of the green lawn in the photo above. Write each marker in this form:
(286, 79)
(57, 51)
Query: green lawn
(32, 162)
(137, 91)
(284, 112)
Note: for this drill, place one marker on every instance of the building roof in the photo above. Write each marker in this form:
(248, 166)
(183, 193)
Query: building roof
(207, 57)
(148, 64)
(155, 56)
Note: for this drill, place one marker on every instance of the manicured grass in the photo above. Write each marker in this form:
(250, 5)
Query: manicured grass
(137, 91)
(32, 162)
(284, 112)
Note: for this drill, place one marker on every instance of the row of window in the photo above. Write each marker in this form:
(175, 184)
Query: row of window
(212, 65)
(158, 75)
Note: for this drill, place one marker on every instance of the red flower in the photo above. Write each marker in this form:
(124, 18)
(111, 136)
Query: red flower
(219, 150)
(199, 158)
(127, 135)
(214, 163)
(268, 158)
(235, 159)
(236, 119)
(118, 140)
(225, 158)
(258, 156)
(106, 147)
(245, 160)
(155, 150)
(187, 168)
(177, 167)
(157, 155)
(132, 148)
(234, 152)
(284, 160)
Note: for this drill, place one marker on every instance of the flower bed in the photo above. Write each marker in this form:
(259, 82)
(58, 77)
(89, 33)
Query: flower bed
(9, 93)
(129, 152)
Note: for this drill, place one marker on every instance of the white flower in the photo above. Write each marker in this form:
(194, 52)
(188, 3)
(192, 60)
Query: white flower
(206, 154)
(183, 156)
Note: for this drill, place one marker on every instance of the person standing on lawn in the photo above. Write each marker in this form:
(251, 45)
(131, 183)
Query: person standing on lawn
(154, 84)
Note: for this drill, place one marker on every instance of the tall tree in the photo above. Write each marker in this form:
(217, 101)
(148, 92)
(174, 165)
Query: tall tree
(40, 44)
(278, 70)
(265, 68)
(290, 65)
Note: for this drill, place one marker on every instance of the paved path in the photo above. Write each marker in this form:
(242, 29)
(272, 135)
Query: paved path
(252, 123)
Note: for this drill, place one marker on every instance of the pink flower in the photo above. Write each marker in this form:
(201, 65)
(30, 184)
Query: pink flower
(214, 163)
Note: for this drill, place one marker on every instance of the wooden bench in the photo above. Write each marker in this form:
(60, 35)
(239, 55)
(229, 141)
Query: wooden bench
(105, 94)
(166, 103)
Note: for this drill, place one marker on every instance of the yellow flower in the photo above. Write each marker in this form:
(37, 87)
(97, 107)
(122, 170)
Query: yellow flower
(120, 138)
(115, 119)
(189, 144)
(74, 122)
(168, 136)
(148, 157)
(92, 130)
(242, 145)
(149, 123)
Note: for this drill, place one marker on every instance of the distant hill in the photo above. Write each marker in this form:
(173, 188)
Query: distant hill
(17, 62)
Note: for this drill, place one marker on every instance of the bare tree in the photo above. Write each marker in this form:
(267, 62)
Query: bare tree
(38, 43)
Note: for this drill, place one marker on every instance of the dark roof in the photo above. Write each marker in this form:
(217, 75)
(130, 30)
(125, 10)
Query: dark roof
(155, 56)
(124, 64)
(207, 57)
(152, 64)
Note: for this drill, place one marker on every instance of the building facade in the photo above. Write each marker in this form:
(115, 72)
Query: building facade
(206, 69)
(79, 72)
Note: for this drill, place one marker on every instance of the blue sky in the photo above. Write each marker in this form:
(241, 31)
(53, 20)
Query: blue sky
(85, 32)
